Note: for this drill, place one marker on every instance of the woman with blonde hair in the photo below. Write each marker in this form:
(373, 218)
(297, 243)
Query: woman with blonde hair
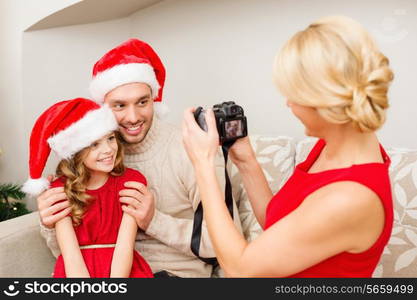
(334, 216)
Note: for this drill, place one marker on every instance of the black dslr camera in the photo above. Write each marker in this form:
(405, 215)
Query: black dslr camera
(230, 120)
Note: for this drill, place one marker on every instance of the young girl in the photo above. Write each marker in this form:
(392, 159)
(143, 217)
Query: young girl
(96, 239)
(334, 216)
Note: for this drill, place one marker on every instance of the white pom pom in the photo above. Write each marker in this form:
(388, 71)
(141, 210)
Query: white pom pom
(161, 109)
(34, 187)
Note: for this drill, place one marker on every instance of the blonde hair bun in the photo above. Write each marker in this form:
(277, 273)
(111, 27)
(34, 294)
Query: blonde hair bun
(335, 66)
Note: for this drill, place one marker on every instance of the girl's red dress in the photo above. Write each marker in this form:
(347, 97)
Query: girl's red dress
(100, 225)
(375, 176)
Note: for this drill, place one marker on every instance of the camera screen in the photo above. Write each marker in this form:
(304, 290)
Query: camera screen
(233, 128)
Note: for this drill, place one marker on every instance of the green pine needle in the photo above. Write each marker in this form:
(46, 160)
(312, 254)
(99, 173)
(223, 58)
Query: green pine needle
(9, 210)
(10, 190)
(16, 209)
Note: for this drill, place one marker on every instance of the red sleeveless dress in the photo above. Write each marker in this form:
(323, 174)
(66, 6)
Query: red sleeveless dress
(100, 225)
(301, 184)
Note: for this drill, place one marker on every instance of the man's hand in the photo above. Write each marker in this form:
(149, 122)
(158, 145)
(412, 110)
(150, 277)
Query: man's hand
(47, 206)
(140, 203)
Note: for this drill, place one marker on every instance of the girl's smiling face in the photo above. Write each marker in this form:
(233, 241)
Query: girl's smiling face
(102, 154)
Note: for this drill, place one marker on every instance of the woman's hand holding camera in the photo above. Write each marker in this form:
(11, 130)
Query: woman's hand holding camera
(241, 153)
(201, 146)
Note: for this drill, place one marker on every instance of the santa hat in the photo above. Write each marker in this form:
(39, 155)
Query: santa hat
(66, 127)
(132, 61)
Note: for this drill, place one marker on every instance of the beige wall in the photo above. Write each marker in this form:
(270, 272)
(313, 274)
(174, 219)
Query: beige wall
(57, 66)
(221, 50)
(213, 51)
(15, 17)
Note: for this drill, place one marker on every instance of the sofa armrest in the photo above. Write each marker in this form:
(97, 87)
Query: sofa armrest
(23, 252)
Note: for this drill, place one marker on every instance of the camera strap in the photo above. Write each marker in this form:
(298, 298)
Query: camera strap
(198, 215)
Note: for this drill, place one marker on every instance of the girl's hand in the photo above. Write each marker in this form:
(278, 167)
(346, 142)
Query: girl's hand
(242, 152)
(201, 146)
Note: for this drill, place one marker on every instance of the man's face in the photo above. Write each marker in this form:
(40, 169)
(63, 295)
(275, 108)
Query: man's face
(132, 106)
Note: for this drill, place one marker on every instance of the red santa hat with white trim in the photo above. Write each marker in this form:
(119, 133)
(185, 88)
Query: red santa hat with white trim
(131, 61)
(66, 127)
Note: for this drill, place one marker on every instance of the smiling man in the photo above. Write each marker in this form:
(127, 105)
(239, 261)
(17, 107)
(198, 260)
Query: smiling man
(130, 79)
(134, 120)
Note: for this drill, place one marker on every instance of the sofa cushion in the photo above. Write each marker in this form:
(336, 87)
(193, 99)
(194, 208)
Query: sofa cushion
(400, 256)
(276, 157)
(23, 252)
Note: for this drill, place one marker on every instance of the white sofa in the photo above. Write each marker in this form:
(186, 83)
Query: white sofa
(23, 252)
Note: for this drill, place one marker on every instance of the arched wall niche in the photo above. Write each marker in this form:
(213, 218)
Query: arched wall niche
(90, 11)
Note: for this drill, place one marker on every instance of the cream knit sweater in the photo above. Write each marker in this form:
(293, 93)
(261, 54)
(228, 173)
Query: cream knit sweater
(165, 245)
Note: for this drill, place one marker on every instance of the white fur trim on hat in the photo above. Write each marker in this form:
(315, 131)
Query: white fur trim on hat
(122, 74)
(93, 126)
(161, 109)
(34, 187)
